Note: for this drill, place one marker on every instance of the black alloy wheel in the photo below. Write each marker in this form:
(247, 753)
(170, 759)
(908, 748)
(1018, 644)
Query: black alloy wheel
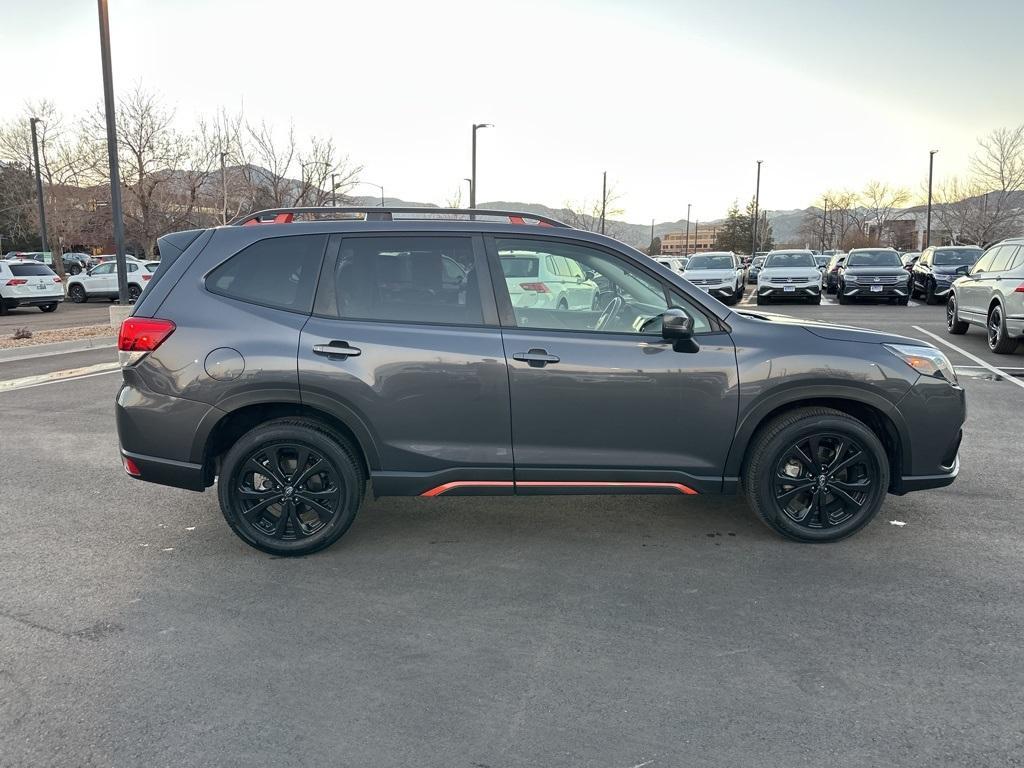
(999, 341)
(816, 475)
(954, 324)
(77, 293)
(929, 295)
(133, 293)
(290, 487)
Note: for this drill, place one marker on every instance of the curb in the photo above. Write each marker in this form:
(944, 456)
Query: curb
(57, 348)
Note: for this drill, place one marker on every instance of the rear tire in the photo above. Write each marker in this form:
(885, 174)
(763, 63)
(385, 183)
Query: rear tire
(816, 475)
(954, 325)
(48, 307)
(77, 294)
(292, 523)
(998, 340)
(74, 269)
(133, 293)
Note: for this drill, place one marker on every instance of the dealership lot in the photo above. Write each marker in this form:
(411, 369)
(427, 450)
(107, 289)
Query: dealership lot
(500, 632)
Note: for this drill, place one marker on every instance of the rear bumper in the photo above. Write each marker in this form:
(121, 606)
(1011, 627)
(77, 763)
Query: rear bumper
(33, 301)
(179, 474)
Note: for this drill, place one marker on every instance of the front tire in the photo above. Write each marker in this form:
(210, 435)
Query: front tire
(815, 300)
(816, 475)
(999, 341)
(77, 294)
(133, 293)
(843, 298)
(929, 295)
(290, 487)
(954, 325)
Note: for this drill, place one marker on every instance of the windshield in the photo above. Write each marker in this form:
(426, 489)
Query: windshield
(789, 259)
(956, 257)
(519, 266)
(874, 259)
(822, 261)
(710, 261)
(758, 261)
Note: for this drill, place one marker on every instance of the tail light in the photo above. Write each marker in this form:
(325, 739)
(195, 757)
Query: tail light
(536, 287)
(146, 277)
(1019, 288)
(17, 281)
(56, 279)
(131, 467)
(139, 336)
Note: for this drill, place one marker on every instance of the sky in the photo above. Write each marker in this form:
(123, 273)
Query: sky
(675, 100)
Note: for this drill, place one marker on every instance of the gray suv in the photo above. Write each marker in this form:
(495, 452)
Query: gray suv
(300, 354)
(991, 295)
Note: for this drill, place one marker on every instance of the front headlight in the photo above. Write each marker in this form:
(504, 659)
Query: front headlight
(943, 278)
(850, 278)
(927, 361)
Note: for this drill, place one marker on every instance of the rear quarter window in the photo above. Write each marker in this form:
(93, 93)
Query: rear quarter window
(279, 272)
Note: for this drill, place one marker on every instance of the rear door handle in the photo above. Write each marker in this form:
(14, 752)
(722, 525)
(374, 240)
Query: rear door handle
(337, 350)
(537, 358)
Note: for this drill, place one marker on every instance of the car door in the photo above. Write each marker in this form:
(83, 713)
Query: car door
(416, 370)
(920, 270)
(597, 398)
(973, 291)
(102, 281)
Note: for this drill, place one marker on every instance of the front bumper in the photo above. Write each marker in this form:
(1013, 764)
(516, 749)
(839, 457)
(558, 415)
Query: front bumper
(721, 291)
(873, 291)
(805, 291)
(934, 413)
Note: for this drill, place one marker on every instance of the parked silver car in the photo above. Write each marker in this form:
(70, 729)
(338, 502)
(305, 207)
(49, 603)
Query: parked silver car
(991, 295)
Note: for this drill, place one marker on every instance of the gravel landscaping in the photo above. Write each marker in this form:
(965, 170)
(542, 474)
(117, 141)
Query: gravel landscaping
(7, 340)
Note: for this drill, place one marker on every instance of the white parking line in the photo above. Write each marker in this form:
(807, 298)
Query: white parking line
(55, 377)
(969, 356)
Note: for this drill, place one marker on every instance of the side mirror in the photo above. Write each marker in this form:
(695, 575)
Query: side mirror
(963, 269)
(677, 327)
(589, 274)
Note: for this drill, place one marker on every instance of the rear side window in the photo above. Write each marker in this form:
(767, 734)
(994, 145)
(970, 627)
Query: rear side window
(279, 272)
(1017, 260)
(30, 270)
(1002, 259)
(417, 279)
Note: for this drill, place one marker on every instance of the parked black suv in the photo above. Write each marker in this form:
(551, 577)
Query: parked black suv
(933, 273)
(873, 273)
(295, 361)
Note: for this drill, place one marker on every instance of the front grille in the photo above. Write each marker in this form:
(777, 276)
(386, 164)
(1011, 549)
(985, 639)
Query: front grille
(702, 281)
(790, 280)
(880, 280)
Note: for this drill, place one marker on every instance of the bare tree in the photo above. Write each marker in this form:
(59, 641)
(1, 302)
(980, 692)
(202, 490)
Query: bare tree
(586, 214)
(881, 201)
(840, 213)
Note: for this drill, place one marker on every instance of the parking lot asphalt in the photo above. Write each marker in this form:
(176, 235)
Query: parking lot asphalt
(67, 315)
(565, 631)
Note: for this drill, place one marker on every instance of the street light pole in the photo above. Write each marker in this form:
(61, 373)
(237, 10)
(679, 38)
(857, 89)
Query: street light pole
(116, 212)
(470, 182)
(686, 250)
(39, 186)
(472, 186)
(604, 196)
(696, 226)
(824, 216)
(757, 213)
(334, 190)
(224, 185)
(928, 224)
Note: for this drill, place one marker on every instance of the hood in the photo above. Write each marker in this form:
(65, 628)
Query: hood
(709, 274)
(832, 331)
(875, 271)
(949, 269)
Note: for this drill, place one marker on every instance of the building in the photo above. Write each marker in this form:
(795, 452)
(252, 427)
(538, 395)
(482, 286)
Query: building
(674, 243)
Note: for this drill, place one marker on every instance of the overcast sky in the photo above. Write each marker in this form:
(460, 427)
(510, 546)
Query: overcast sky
(675, 100)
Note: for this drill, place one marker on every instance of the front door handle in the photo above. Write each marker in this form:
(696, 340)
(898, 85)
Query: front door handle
(337, 350)
(537, 358)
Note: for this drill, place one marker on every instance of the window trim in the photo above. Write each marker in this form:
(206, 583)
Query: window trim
(506, 312)
(278, 307)
(321, 302)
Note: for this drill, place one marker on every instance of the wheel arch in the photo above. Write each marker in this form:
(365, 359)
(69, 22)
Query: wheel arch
(223, 428)
(877, 413)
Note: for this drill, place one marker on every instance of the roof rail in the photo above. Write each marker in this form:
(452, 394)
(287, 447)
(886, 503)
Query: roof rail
(288, 215)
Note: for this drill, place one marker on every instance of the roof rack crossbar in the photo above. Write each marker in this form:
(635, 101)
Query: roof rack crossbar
(370, 213)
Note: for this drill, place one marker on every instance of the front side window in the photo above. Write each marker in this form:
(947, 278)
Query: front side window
(412, 279)
(279, 272)
(601, 292)
(985, 262)
(103, 269)
(1002, 260)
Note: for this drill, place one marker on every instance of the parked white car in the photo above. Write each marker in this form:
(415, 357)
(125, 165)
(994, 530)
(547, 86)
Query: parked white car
(720, 273)
(675, 263)
(27, 283)
(546, 281)
(101, 282)
(790, 274)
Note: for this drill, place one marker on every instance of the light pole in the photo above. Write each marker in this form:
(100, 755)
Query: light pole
(696, 226)
(378, 186)
(334, 191)
(39, 185)
(604, 196)
(224, 185)
(686, 249)
(928, 223)
(824, 217)
(757, 205)
(116, 213)
(472, 184)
